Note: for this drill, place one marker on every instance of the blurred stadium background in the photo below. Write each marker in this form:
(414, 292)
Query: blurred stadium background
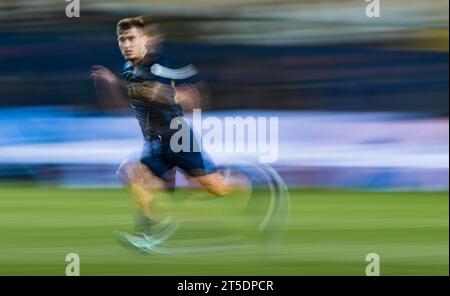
(362, 105)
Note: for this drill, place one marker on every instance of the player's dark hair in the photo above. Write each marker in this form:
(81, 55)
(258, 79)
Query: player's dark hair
(136, 22)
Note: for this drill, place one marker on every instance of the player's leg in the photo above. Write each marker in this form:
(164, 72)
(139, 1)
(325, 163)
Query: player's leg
(200, 169)
(214, 183)
(139, 175)
(139, 181)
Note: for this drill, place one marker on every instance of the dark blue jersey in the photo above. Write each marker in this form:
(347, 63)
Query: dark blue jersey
(151, 92)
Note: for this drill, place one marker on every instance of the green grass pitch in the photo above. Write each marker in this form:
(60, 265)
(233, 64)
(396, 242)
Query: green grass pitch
(329, 233)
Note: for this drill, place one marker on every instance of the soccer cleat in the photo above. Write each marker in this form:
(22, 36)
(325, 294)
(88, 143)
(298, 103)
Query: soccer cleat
(146, 242)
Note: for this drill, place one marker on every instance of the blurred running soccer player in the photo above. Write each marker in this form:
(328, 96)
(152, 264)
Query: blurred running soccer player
(157, 93)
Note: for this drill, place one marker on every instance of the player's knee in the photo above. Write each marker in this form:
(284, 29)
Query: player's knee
(121, 174)
(220, 191)
(129, 174)
(214, 185)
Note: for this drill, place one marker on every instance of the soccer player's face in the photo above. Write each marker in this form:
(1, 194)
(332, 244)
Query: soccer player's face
(133, 44)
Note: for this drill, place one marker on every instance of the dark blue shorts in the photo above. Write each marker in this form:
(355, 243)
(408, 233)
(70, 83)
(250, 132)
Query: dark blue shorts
(160, 159)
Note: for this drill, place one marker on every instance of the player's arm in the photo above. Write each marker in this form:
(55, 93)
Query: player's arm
(185, 81)
(110, 89)
(150, 91)
(188, 96)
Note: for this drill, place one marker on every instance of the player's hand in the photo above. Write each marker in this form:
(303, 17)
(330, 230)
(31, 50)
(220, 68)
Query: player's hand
(108, 87)
(102, 73)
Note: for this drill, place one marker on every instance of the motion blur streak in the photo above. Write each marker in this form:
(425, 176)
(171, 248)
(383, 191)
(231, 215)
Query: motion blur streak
(324, 149)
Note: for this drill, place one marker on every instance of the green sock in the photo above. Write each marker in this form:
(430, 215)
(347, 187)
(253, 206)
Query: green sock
(143, 222)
